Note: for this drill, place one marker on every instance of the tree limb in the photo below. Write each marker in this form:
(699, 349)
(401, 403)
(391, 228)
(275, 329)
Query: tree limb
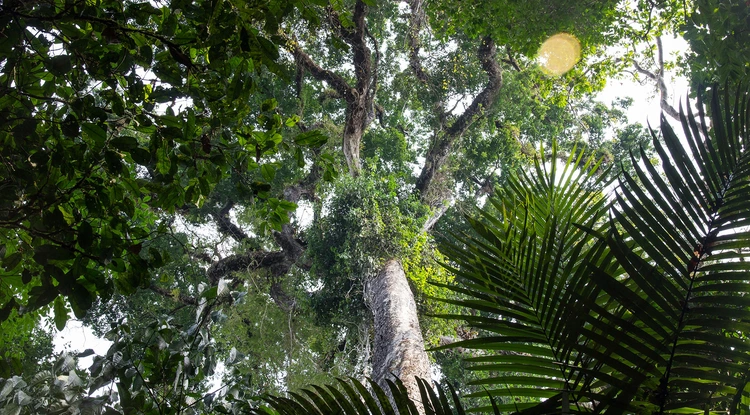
(658, 78)
(359, 98)
(510, 60)
(182, 298)
(253, 260)
(335, 22)
(415, 27)
(226, 226)
(336, 81)
(444, 141)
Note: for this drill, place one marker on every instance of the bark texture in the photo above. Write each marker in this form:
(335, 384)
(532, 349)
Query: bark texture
(399, 347)
(359, 96)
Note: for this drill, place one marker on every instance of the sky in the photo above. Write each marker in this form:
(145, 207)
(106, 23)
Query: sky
(645, 106)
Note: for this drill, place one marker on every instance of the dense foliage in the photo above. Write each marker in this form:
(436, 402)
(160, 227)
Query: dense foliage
(212, 185)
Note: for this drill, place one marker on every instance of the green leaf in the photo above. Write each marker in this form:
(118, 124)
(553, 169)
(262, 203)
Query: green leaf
(67, 214)
(210, 293)
(95, 133)
(11, 261)
(141, 156)
(311, 139)
(85, 235)
(26, 276)
(268, 171)
(61, 313)
(269, 105)
(45, 253)
(59, 65)
(70, 127)
(7, 309)
(272, 52)
(80, 300)
(292, 121)
(40, 296)
(124, 143)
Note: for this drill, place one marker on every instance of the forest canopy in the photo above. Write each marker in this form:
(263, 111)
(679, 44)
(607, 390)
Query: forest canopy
(248, 198)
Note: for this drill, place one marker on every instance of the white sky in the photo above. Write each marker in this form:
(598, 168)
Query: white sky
(645, 106)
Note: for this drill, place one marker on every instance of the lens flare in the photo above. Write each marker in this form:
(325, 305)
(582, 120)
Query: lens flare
(559, 54)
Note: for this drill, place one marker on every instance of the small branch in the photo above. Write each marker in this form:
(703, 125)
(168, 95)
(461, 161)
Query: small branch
(510, 60)
(182, 298)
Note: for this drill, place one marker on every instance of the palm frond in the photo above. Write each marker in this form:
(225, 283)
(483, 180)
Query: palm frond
(645, 311)
(518, 272)
(354, 398)
(682, 240)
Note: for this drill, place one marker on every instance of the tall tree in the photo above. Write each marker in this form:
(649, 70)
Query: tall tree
(629, 304)
(130, 124)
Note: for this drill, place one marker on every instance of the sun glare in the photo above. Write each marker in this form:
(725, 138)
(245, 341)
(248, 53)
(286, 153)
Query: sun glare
(559, 53)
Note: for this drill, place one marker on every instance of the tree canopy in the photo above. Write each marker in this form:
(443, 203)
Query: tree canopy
(247, 182)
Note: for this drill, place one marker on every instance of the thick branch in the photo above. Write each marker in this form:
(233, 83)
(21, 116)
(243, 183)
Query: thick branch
(339, 29)
(362, 58)
(289, 244)
(415, 27)
(439, 152)
(336, 81)
(275, 261)
(226, 226)
(435, 216)
(359, 98)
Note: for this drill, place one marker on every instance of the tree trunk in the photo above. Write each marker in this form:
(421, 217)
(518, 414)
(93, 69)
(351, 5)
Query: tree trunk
(398, 348)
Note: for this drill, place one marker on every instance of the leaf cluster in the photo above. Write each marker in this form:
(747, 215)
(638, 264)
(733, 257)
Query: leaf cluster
(112, 113)
(368, 219)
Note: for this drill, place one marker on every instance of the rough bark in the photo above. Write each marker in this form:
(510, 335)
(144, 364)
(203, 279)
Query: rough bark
(398, 347)
(445, 140)
(358, 98)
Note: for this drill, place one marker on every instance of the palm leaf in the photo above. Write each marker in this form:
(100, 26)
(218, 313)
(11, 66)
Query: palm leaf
(518, 270)
(680, 238)
(358, 399)
(648, 313)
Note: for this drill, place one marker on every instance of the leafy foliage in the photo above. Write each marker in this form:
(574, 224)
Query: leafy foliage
(518, 269)
(368, 219)
(156, 368)
(641, 312)
(718, 37)
(524, 26)
(117, 116)
(112, 113)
